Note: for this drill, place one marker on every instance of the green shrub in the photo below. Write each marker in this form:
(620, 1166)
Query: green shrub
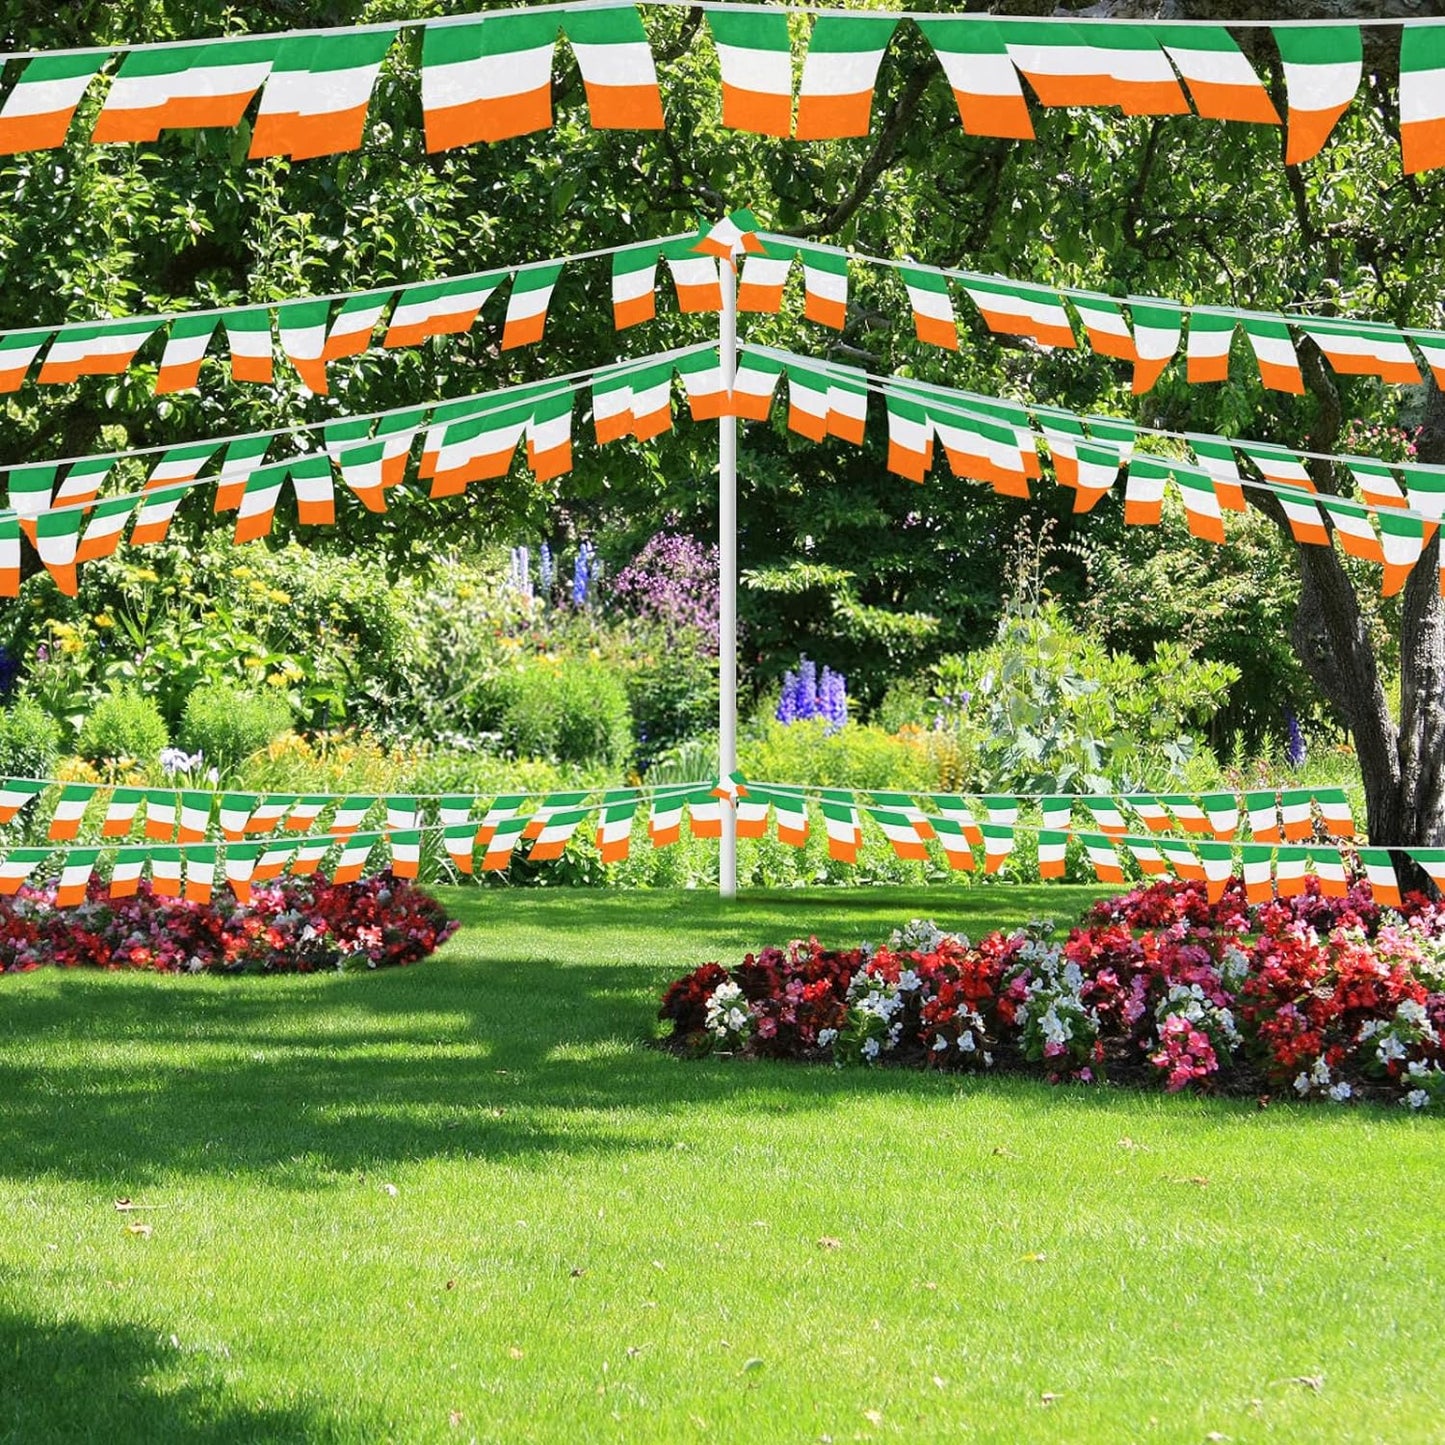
(672, 690)
(858, 755)
(123, 724)
(226, 724)
(29, 741)
(572, 710)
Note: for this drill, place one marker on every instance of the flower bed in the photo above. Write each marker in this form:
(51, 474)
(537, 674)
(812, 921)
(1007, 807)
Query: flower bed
(291, 926)
(1317, 996)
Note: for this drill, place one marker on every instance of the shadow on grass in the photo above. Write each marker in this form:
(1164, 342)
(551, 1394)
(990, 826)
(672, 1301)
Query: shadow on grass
(310, 1080)
(63, 1381)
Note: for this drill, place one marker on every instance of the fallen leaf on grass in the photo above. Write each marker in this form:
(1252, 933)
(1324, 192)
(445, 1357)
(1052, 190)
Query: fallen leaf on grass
(1198, 1179)
(750, 1365)
(139, 1229)
(1037, 1258)
(451, 1284)
(873, 1417)
(515, 1353)
(1047, 1398)
(828, 1242)
(390, 1189)
(633, 1351)
(455, 1418)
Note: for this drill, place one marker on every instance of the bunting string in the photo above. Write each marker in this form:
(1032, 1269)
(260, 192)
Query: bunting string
(488, 77)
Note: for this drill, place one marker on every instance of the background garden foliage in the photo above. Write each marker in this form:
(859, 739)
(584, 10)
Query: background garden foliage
(527, 637)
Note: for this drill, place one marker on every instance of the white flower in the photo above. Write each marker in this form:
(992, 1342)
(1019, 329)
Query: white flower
(1417, 1098)
(909, 981)
(966, 1043)
(1320, 1074)
(1417, 1068)
(1391, 1048)
(987, 1059)
(826, 1037)
(870, 1049)
(1302, 1084)
(1411, 1012)
(1234, 965)
(1341, 1092)
(940, 1044)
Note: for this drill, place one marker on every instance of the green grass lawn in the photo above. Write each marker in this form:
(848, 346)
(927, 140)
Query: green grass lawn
(464, 1201)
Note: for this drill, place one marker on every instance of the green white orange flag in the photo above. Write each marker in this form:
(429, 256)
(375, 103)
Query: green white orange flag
(439, 308)
(900, 832)
(69, 811)
(1258, 870)
(1322, 68)
(839, 73)
(15, 793)
(1329, 868)
(1058, 62)
(1222, 83)
(1158, 326)
(790, 814)
(18, 350)
(317, 93)
(1422, 95)
(764, 275)
(1144, 80)
(174, 87)
(549, 434)
(1352, 526)
(474, 446)
(1288, 475)
(1053, 838)
(841, 820)
(1376, 482)
(1296, 808)
(985, 84)
(1222, 810)
(998, 843)
(557, 832)
(1289, 871)
(910, 436)
(618, 73)
(1201, 502)
(1144, 490)
(1216, 456)
(1146, 854)
(701, 374)
(664, 816)
(527, 305)
(807, 400)
(704, 813)
(825, 285)
(1274, 353)
(302, 325)
(355, 320)
(756, 62)
(1334, 808)
(1103, 856)
(634, 285)
(103, 530)
(200, 861)
(735, 232)
(38, 111)
(694, 277)
(241, 458)
(187, 341)
(489, 79)
(1211, 335)
(1425, 488)
(103, 349)
(1104, 323)
(503, 841)
(248, 334)
(75, 875)
(1432, 860)
(17, 865)
(933, 315)
(1403, 538)
(1262, 809)
(614, 824)
(754, 382)
(1380, 871)
(1019, 308)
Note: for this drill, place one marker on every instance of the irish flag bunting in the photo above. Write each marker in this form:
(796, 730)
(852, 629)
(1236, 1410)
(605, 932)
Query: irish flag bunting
(1425, 488)
(355, 320)
(790, 814)
(1432, 860)
(1144, 80)
(187, 341)
(735, 232)
(841, 821)
(634, 285)
(1288, 474)
(527, 304)
(38, 111)
(825, 285)
(754, 382)
(1322, 68)
(618, 73)
(240, 459)
(15, 793)
(1144, 490)
(764, 275)
(985, 84)
(70, 810)
(439, 308)
(1211, 335)
(1376, 482)
(17, 865)
(302, 325)
(103, 531)
(1274, 353)
(1158, 326)
(694, 277)
(910, 436)
(1053, 838)
(1222, 83)
(1403, 539)
(103, 349)
(998, 843)
(841, 69)
(18, 350)
(1217, 458)
(248, 334)
(1104, 323)
(1329, 868)
(1201, 503)
(556, 832)
(1018, 308)
(1059, 63)
(1103, 856)
(807, 401)
(933, 315)
(664, 818)
(489, 79)
(755, 59)
(1381, 873)
(701, 374)
(318, 92)
(75, 876)
(549, 436)
(614, 824)
(176, 87)
(1352, 525)
(1422, 95)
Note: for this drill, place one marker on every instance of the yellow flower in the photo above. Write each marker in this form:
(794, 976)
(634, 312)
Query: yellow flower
(104, 619)
(276, 595)
(276, 679)
(71, 644)
(254, 662)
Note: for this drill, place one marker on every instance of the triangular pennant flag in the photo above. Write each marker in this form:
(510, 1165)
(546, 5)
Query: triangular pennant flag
(1211, 336)
(1146, 854)
(1181, 858)
(69, 811)
(1422, 96)
(75, 875)
(1352, 526)
(1222, 810)
(106, 348)
(556, 833)
(405, 852)
(755, 59)
(183, 87)
(1104, 323)
(841, 820)
(1363, 349)
(790, 816)
(233, 813)
(1155, 816)
(1289, 871)
(1218, 860)
(1053, 838)
(754, 382)
(303, 327)
(127, 866)
(166, 866)
(900, 831)
(1019, 308)
(317, 93)
(839, 73)
(1216, 457)
(200, 861)
(617, 68)
(1144, 490)
(1274, 353)
(664, 816)
(502, 843)
(735, 232)
(1296, 808)
(956, 847)
(1107, 815)
(1432, 860)
(15, 793)
(38, 111)
(933, 315)
(1187, 813)
(352, 858)
(195, 816)
(1258, 865)
(487, 79)
(1329, 866)
(502, 809)
(1103, 856)
(355, 320)
(1380, 870)
(17, 865)
(704, 813)
(1158, 327)
(998, 843)
(1202, 512)
(18, 350)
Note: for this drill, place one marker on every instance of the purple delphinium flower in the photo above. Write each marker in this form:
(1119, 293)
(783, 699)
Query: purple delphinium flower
(833, 699)
(807, 687)
(1295, 749)
(547, 572)
(522, 571)
(788, 702)
(583, 574)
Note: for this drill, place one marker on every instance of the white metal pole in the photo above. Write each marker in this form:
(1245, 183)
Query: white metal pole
(727, 611)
